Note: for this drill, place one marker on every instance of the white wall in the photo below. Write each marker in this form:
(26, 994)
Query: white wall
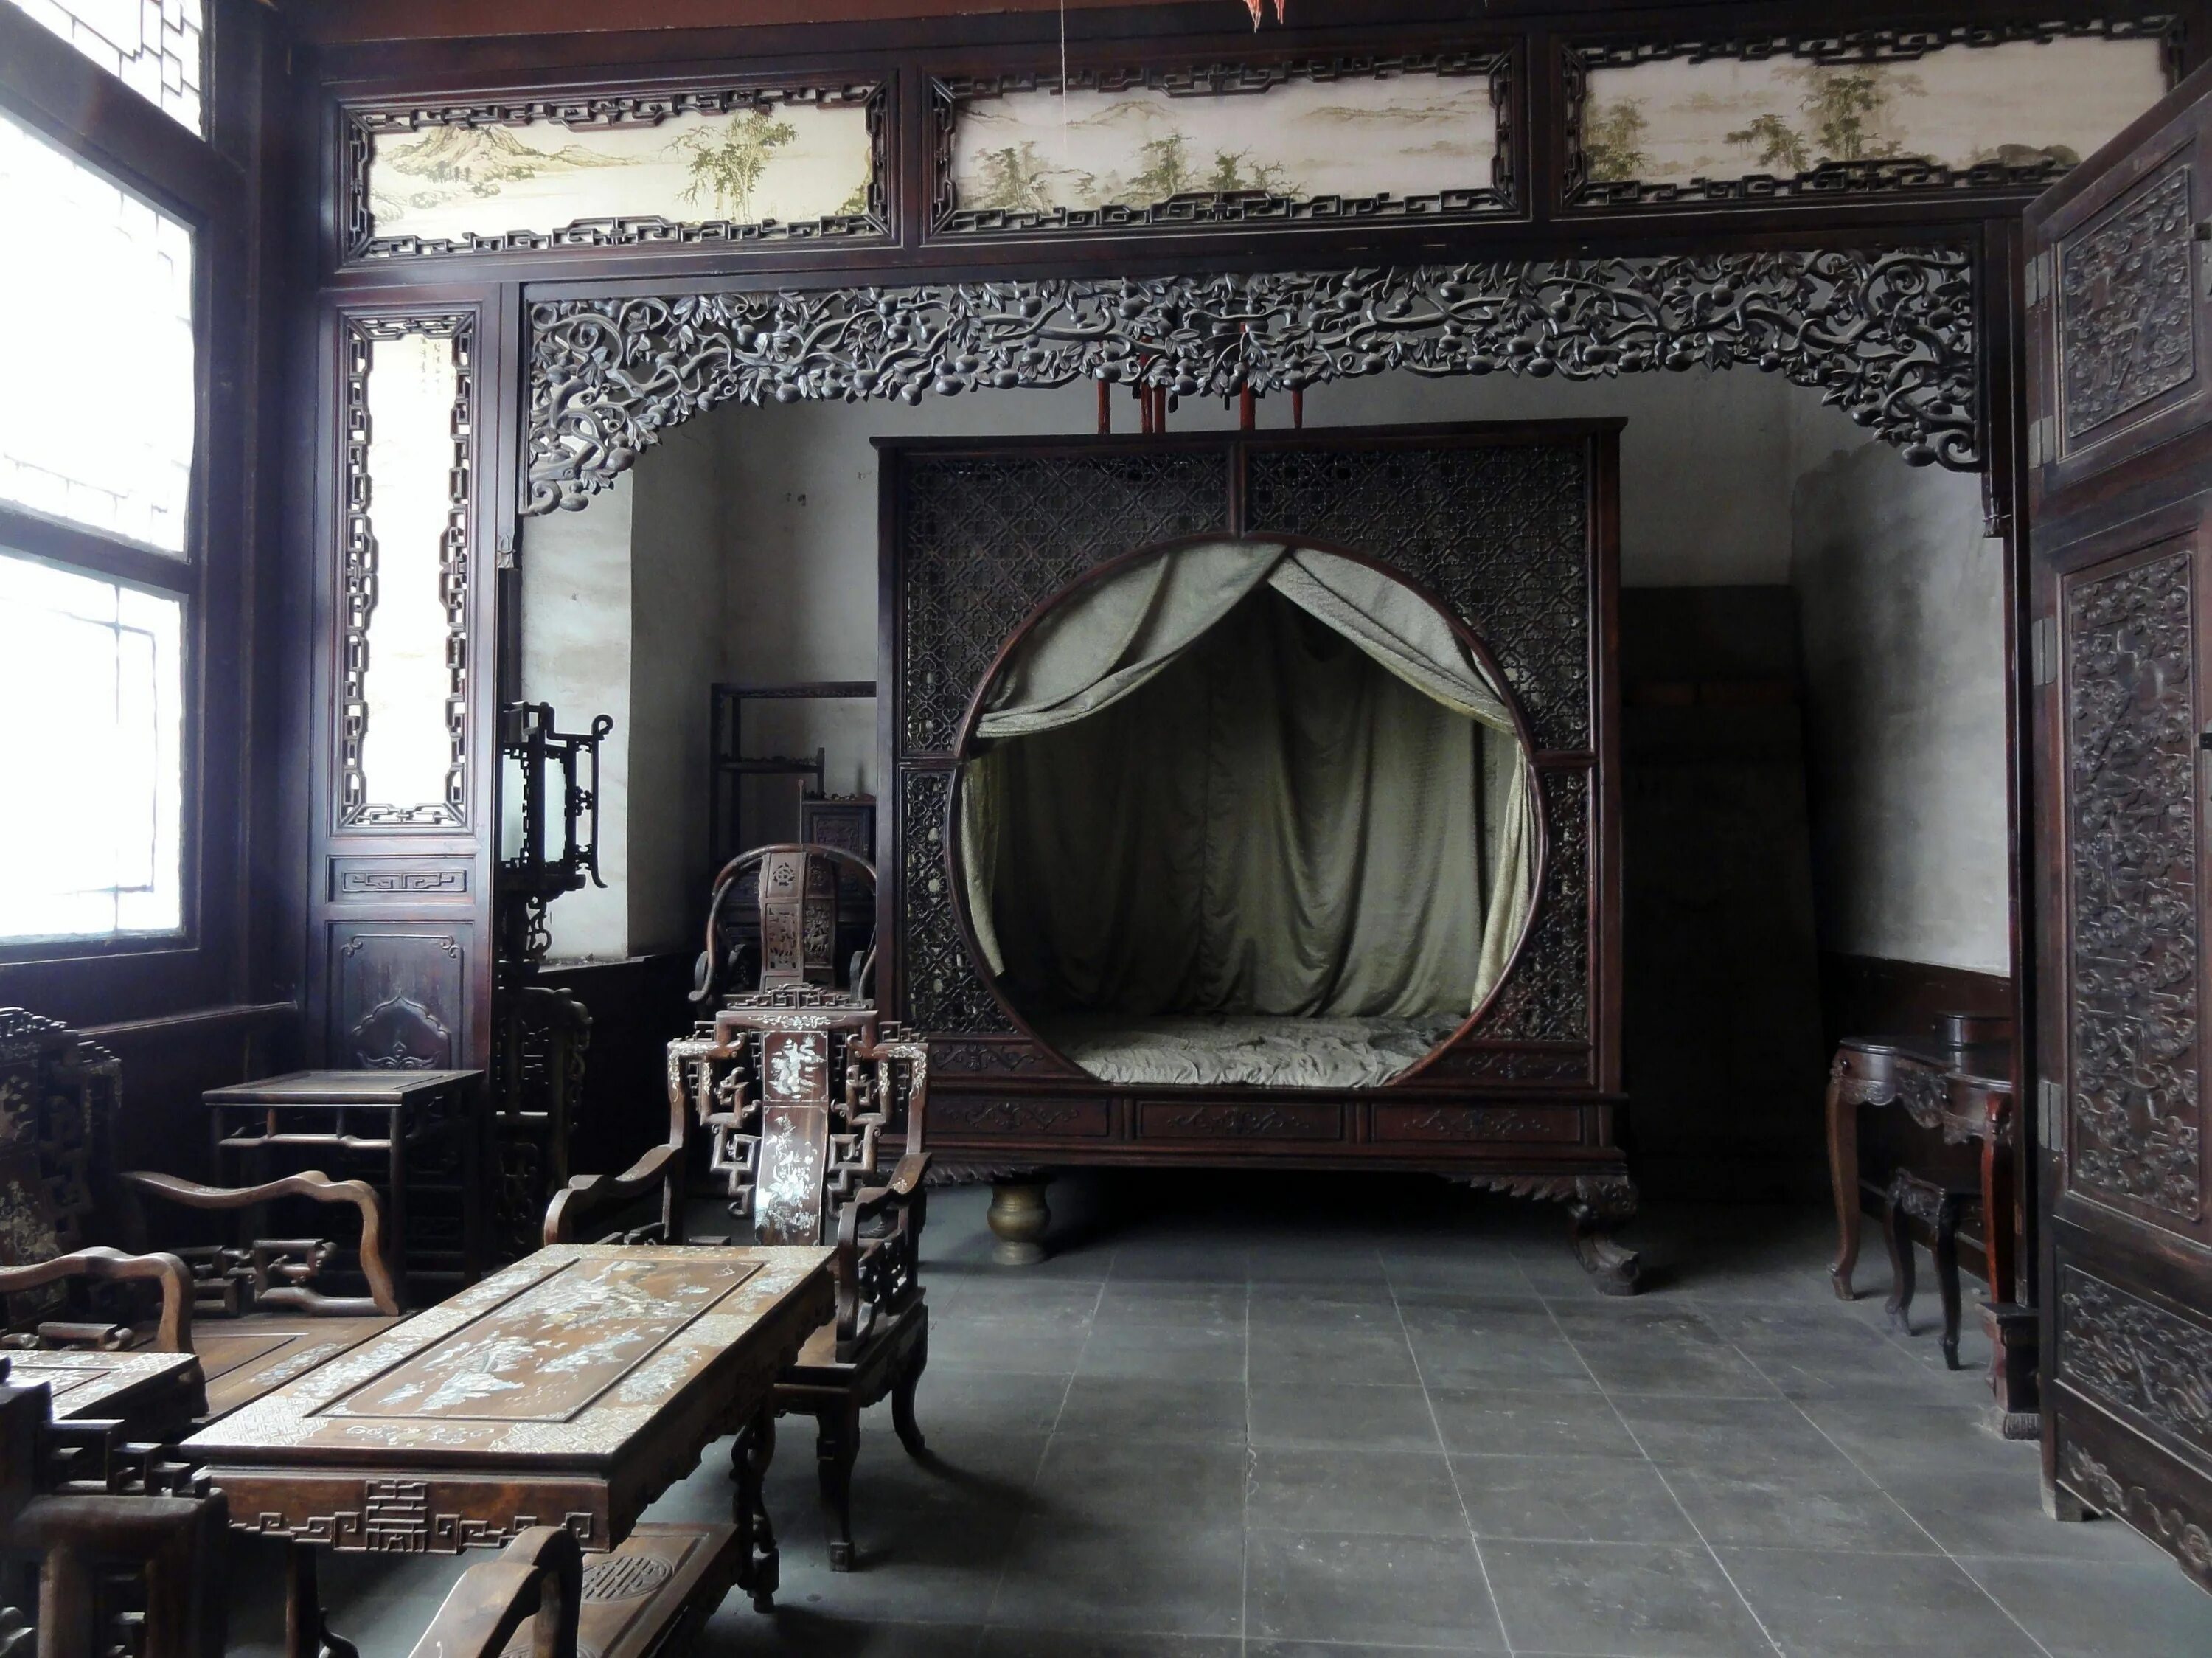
(576, 656)
(1901, 605)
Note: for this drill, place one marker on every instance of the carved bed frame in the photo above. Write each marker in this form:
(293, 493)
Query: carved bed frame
(1511, 529)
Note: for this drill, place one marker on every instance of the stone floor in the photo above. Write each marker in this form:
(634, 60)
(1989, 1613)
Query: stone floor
(1239, 1417)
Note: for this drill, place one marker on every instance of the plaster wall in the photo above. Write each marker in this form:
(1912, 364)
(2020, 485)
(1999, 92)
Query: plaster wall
(576, 571)
(1900, 602)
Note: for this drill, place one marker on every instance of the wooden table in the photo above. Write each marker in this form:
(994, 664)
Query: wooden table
(1963, 1092)
(155, 1396)
(570, 1388)
(404, 1117)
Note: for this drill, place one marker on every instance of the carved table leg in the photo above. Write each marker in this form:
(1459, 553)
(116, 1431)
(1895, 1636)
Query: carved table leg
(758, 1560)
(1896, 1232)
(307, 1633)
(1947, 1275)
(1844, 1175)
(1018, 1217)
(836, 1443)
(902, 1421)
(1600, 1206)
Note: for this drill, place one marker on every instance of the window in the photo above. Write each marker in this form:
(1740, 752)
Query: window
(101, 663)
(100, 533)
(107, 442)
(152, 46)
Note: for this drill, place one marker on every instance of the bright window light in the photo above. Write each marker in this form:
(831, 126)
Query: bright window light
(153, 45)
(91, 682)
(105, 441)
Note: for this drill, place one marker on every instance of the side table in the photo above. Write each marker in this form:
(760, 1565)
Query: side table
(1962, 1089)
(426, 1127)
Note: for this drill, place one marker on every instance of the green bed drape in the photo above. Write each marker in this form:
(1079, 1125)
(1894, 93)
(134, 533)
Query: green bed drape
(1242, 777)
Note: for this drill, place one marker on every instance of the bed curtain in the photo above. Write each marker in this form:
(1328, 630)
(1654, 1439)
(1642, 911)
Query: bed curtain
(1196, 794)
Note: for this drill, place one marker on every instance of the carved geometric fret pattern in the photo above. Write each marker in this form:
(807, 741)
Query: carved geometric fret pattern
(2137, 1357)
(1888, 336)
(2126, 306)
(1546, 995)
(2131, 775)
(988, 540)
(1500, 533)
(360, 581)
(942, 991)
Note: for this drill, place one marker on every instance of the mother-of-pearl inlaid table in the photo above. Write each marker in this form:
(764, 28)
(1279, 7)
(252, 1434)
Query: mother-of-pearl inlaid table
(571, 1388)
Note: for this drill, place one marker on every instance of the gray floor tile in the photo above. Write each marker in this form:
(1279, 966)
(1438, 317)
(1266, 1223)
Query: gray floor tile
(1620, 1599)
(1067, 1644)
(2002, 1515)
(1729, 1435)
(737, 1628)
(1820, 1606)
(1167, 1576)
(1525, 1422)
(1783, 1509)
(991, 1401)
(1890, 1439)
(1165, 1352)
(1388, 1591)
(1155, 1410)
(1629, 1363)
(1305, 1490)
(1356, 1415)
(1339, 1350)
(2082, 1609)
(1569, 1499)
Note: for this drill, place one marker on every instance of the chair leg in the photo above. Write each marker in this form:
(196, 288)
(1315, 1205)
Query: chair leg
(902, 1420)
(1896, 1232)
(1947, 1275)
(836, 1444)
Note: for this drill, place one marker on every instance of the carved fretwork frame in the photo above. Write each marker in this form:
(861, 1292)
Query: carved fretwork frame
(359, 586)
(641, 106)
(1889, 177)
(1889, 335)
(1499, 64)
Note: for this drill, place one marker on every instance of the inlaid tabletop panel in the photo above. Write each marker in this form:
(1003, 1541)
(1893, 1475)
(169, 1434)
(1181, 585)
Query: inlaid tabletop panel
(246, 1360)
(561, 1359)
(144, 1390)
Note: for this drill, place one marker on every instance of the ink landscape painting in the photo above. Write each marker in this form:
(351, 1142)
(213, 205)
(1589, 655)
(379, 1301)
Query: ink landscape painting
(781, 164)
(1038, 153)
(2026, 103)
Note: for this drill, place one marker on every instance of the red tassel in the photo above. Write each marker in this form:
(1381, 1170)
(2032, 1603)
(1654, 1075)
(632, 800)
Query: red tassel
(1259, 10)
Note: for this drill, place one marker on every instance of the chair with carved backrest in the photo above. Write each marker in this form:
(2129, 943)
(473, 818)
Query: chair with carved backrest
(64, 1207)
(799, 1085)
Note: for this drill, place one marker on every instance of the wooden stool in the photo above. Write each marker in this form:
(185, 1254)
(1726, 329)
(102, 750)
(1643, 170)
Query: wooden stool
(1937, 1207)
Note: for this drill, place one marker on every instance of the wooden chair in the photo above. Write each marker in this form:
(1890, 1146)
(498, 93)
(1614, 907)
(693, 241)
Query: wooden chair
(263, 1316)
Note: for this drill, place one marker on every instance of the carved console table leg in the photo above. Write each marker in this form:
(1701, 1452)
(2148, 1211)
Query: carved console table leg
(1017, 1218)
(1597, 1210)
(1844, 1175)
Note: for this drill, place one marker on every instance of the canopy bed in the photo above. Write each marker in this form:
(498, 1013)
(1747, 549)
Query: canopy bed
(1255, 802)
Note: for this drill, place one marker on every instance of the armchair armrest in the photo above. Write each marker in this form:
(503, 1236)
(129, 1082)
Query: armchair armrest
(586, 1195)
(540, 1573)
(383, 1295)
(174, 1333)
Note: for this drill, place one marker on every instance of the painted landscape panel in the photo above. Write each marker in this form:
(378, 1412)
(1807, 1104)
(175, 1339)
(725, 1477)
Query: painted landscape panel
(1039, 155)
(776, 164)
(2025, 104)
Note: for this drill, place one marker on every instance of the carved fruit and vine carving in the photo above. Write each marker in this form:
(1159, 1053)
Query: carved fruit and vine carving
(2135, 1103)
(1888, 336)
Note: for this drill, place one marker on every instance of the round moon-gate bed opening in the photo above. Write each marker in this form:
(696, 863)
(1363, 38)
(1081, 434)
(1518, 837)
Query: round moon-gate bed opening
(1246, 812)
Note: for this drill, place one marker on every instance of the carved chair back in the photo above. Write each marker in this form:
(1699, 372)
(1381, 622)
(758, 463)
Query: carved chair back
(796, 884)
(58, 1097)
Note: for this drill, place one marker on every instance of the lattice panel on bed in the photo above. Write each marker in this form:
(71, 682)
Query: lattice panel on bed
(1546, 995)
(989, 539)
(1500, 533)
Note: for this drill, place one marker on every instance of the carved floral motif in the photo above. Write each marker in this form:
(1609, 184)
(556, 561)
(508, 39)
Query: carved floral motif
(2126, 304)
(2135, 1355)
(1888, 336)
(2131, 779)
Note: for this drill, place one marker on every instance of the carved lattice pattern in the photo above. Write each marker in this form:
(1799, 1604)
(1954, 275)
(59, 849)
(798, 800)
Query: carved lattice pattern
(988, 540)
(1500, 534)
(2131, 778)
(943, 993)
(1546, 994)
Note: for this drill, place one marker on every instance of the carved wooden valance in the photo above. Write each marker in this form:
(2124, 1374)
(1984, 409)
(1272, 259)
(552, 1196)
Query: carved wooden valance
(1887, 336)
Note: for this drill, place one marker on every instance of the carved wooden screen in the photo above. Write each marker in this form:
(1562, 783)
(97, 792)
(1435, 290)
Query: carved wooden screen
(1496, 523)
(2123, 544)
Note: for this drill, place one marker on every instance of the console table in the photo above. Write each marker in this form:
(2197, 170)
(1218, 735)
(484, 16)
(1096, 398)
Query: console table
(1957, 1083)
(571, 1388)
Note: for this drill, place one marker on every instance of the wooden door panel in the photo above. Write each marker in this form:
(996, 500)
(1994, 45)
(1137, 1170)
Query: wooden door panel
(2120, 338)
(2131, 691)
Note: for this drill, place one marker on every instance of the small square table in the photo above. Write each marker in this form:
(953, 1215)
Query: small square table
(154, 1396)
(570, 1388)
(401, 1115)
